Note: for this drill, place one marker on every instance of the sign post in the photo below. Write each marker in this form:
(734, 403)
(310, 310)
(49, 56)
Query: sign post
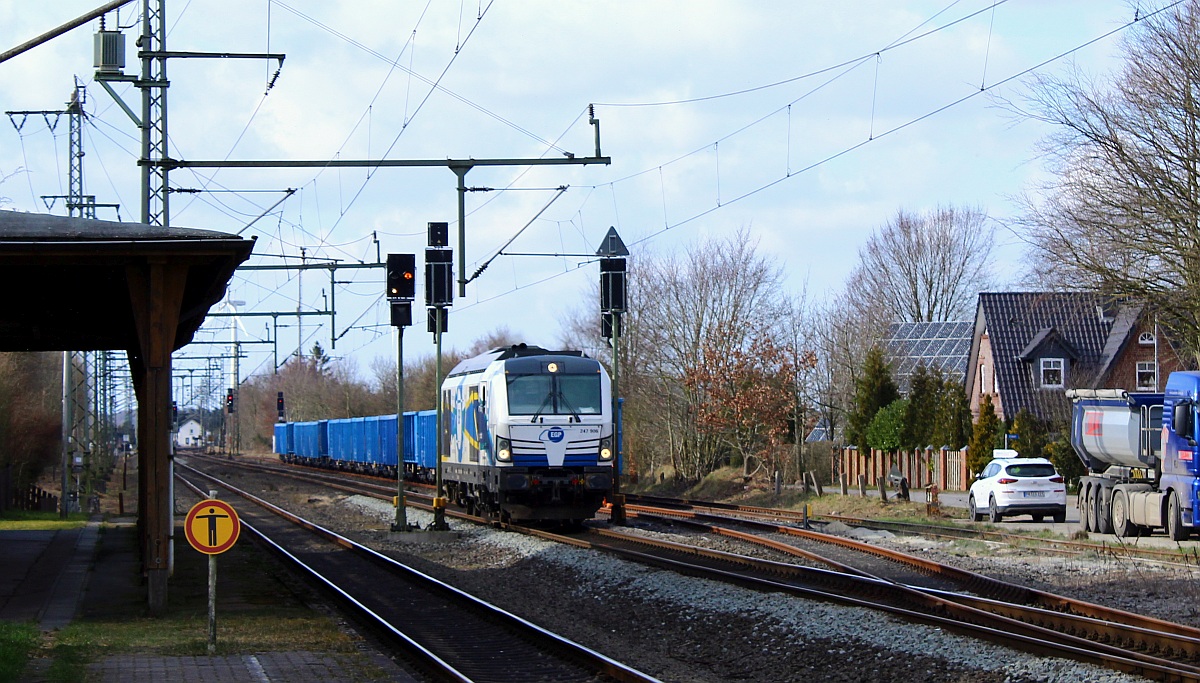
(212, 527)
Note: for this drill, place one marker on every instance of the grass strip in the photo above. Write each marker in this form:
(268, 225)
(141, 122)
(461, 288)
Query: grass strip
(17, 641)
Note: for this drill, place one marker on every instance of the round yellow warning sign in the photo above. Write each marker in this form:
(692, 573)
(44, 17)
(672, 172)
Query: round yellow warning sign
(212, 527)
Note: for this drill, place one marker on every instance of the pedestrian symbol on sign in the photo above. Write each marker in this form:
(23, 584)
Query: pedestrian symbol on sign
(212, 527)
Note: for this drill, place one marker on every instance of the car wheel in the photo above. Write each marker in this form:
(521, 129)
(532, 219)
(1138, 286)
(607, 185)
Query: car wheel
(1120, 515)
(1175, 528)
(994, 515)
(976, 515)
(1061, 517)
(1037, 518)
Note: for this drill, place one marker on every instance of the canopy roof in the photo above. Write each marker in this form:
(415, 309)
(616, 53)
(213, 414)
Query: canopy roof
(66, 280)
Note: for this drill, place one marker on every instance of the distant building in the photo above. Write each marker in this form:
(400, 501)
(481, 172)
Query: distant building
(1028, 348)
(191, 435)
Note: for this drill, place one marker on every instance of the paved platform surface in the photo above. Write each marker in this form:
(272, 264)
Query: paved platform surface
(53, 577)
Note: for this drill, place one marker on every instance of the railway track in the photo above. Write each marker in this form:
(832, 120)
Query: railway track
(1097, 622)
(446, 631)
(979, 606)
(1130, 649)
(1117, 549)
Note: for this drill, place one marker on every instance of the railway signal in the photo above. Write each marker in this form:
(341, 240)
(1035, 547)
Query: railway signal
(439, 277)
(230, 402)
(279, 407)
(401, 290)
(401, 276)
(612, 285)
(439, 293)
(612, 253)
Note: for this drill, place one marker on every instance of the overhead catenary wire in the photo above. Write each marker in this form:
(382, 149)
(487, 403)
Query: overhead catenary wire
(512, 239)
(899, 42)
(842, 152)
(671, 215)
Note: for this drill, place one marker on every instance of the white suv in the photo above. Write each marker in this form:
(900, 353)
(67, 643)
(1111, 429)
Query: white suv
(1018, 486)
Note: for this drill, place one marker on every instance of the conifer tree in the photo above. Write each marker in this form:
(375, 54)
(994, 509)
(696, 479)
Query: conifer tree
(1031, 435)
(874, 390)
(953, 427)
(983, 440)
(921, 416)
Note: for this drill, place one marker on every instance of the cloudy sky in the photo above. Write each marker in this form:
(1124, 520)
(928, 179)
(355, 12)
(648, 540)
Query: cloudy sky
(806, 123)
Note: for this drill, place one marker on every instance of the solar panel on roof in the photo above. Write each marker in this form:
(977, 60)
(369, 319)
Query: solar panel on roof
(942, 345)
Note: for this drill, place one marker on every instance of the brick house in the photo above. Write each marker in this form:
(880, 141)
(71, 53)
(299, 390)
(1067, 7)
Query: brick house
(1029, 347)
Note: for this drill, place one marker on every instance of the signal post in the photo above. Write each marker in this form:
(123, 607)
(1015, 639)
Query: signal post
(612, 253)
(439, 295)
(401, 288)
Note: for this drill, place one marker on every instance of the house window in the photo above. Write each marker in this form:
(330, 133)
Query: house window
(982, 379)
(1052, 372)
(1147, 375)
(1146, 339)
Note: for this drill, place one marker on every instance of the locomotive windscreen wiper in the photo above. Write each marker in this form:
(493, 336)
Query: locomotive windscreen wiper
(562, 398)
(538, 413)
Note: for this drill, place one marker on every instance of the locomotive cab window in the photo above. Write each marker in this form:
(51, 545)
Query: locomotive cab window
(554, 394)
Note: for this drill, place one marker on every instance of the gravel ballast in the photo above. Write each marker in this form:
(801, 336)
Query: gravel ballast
(680, 628)
(685, 629)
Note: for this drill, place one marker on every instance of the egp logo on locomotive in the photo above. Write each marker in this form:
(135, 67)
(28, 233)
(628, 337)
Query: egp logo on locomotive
(553, 435)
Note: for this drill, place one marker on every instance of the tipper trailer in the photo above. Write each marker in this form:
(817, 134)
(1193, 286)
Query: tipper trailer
(1141, 455)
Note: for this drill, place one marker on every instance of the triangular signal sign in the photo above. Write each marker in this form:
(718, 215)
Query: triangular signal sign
(612, 245)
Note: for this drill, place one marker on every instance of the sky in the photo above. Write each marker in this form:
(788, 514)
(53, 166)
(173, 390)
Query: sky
(806, 124)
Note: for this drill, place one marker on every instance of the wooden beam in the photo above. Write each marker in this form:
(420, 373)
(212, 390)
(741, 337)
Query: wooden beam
(155, 294)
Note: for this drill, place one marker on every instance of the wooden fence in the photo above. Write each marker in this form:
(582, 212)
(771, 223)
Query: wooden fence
(24, 498)
(943, 467)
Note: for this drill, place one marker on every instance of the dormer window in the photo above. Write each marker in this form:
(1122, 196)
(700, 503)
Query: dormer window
(1146, 339)
(1052, 373)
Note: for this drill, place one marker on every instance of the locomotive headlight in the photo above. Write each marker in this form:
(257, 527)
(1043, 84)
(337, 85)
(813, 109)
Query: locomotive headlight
(606, 451)
(503, 450)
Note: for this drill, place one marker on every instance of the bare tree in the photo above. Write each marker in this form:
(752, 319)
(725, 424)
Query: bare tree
(709, 299)
(1121, 213)
(642, 438)
(843, 333)
(30, 413)
(925, 267)
(3, 177)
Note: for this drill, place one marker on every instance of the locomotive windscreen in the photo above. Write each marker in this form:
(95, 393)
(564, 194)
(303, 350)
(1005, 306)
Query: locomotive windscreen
(554, 394)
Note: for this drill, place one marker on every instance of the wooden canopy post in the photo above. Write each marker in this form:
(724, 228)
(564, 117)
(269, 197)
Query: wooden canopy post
(155, 295)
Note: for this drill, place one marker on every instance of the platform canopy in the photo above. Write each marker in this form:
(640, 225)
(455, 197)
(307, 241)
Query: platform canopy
(67, 280)
(76, 284)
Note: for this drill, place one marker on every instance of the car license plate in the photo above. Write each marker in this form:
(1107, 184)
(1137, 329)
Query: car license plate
(1035, 494)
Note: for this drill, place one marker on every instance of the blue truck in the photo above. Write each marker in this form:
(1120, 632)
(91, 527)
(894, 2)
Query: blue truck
(1142, 458)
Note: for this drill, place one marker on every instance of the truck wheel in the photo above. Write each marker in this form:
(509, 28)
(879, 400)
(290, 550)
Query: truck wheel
(1120, 515)
(1085, 510)
(1175, 528)
(1102, 513)
(976, 515)
(994, 515)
